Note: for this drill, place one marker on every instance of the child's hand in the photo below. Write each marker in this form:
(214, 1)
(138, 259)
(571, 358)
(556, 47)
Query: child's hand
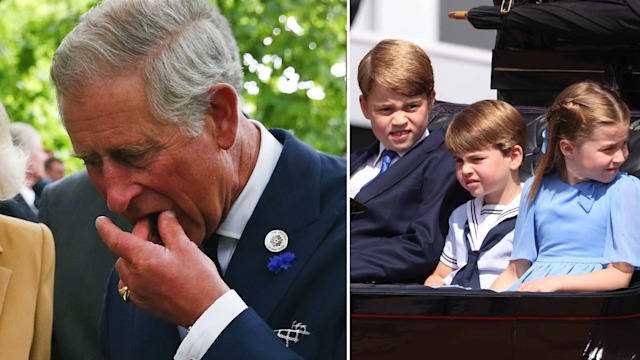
(437, 278)
(434, 281)
(546, 284)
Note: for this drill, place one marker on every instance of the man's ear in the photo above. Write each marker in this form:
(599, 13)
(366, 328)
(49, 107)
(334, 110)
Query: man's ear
(567, 148)
(223, 112)
(364, 107)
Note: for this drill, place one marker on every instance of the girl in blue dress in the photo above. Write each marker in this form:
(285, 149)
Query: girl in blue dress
(578, 227)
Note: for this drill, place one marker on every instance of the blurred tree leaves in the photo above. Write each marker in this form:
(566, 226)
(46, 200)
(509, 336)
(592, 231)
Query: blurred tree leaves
(30, 31)
(293, 52)
(295, 65)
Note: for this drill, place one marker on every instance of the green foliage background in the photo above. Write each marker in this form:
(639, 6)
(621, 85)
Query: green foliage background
(302, 41)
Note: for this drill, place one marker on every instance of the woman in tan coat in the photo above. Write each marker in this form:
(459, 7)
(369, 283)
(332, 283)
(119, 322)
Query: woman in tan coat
(26, 267)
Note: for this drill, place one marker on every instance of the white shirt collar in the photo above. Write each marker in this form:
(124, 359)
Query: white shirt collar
(241, 210)
(29, 196)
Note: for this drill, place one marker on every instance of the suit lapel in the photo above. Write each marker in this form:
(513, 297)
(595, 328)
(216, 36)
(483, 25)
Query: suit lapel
(25, 207)
(358, 158)
(403, 167)
(295, 177)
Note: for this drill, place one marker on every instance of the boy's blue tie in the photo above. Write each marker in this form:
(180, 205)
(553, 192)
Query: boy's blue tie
(387, 158)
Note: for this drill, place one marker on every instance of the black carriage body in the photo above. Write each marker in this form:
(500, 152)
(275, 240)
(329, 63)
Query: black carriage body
(414, 321)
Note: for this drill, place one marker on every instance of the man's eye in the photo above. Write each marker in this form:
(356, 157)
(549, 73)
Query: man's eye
(136, 159)
(92, 162)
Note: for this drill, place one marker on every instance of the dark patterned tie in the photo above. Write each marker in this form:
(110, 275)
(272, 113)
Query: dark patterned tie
(210, 248)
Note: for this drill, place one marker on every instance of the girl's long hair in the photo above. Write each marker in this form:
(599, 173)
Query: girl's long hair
(575, 115)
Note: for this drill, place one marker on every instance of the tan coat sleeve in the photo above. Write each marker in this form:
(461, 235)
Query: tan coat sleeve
(27, 260)
(41, 347)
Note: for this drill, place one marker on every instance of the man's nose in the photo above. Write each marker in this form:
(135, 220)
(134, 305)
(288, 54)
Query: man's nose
(118, 186)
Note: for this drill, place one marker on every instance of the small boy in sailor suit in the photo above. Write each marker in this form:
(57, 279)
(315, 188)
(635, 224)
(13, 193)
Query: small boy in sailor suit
(487, 140)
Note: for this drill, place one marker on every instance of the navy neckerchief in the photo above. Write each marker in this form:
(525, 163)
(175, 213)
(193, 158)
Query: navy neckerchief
(469, 275)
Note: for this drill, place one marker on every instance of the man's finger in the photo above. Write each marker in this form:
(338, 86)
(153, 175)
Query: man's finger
(170, 230)
(122, 268)
(142, 229)
(119, 242)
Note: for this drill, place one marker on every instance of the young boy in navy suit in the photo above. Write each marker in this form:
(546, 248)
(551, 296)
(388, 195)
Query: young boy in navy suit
(404, 184)
(487, 140)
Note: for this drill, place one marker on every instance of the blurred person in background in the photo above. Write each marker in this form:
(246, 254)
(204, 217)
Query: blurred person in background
(54, 168)
(27, 139)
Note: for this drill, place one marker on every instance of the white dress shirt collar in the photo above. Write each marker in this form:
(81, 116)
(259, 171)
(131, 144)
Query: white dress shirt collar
(29, 197)
(241, 210)
(400, 153)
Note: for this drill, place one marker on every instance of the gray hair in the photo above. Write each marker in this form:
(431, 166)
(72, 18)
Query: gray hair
(180, 48)
(14, 162)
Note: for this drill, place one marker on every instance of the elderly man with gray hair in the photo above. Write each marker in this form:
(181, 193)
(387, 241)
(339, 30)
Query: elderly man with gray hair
(238, 249)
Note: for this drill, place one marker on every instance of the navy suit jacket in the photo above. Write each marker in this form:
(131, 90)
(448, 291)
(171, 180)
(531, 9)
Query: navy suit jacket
(18, 208)
(305, 198)
(400, 236)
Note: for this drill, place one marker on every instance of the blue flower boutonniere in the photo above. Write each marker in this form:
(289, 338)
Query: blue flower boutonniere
(281, 262)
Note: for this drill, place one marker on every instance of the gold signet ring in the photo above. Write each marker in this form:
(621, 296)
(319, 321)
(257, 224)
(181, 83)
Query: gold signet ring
(124, 293)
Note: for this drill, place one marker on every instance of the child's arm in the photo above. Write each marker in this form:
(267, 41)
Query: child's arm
(511, 274)
(615, 276)
(441, 272)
